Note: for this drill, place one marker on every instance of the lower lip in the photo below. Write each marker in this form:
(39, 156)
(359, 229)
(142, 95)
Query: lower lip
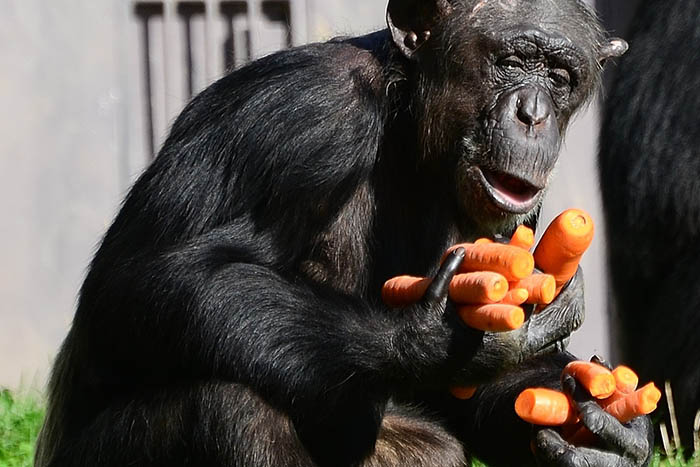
(506, 201)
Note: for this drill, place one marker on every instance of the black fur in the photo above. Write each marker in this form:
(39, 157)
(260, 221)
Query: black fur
(650, 175)
(232, 313)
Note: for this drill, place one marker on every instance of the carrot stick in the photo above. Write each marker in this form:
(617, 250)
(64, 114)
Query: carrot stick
(478, 287)
(404, 290)
(625, 408)
(640, 402)
(510, 261)
(626, 379)
(541, 288)
(596, 378)
(515, 297)
(483, 241)
(463, 392)
(563, 244)
(523, 237)
(542, 406)
(494, 317)
(626, 382)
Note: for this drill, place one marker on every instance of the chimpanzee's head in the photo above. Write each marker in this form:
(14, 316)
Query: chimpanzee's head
(495, 85)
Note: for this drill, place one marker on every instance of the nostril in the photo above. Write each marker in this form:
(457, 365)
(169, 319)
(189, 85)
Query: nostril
(531, 110)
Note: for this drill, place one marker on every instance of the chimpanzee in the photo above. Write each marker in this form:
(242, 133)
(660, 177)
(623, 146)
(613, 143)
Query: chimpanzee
(650, 174)
(232, 315)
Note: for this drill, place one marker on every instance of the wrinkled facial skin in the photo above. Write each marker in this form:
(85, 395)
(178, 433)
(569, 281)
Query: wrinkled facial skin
(516, 73)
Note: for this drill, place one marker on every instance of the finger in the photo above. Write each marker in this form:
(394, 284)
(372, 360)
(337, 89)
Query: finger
(629, 442)
(440, 286)
(551, 449)
(601, 361)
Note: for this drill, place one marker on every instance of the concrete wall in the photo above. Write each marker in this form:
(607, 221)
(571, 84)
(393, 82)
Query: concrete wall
(67, 158)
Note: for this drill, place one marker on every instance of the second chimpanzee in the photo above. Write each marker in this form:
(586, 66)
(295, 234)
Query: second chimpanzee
(650, 173)
(231, 316)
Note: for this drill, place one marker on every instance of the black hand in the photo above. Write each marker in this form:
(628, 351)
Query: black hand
(545, 331)
(622, 445)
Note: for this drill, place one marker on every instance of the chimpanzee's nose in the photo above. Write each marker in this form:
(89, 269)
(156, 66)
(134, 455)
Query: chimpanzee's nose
(532, 107)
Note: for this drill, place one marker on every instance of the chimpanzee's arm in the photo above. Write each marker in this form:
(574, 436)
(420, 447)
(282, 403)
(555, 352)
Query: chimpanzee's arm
(198, 278)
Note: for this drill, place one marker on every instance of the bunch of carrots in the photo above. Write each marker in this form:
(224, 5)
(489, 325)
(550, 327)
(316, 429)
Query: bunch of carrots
(495, 279)
(615, 391)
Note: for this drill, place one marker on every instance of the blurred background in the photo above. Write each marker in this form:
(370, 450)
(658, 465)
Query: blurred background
(88, 90)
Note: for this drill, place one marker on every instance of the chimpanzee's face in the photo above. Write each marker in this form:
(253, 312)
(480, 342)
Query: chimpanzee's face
(502, 79)
(497, 83)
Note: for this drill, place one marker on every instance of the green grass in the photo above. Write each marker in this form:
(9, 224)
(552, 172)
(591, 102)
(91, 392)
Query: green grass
(20, 420)
(21, 416)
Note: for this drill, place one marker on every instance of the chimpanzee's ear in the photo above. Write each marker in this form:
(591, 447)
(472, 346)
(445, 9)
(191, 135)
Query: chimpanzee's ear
(614, 48)
(411, 21)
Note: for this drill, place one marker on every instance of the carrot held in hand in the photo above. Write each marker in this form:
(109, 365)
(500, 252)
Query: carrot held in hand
(510, 261)
(541, 288)
(543, 406)
(640, 402)
(598, 380)
(463, 392)
(626, 379)
(523, 237)
(515, 297)
(404, 290)
(478, 287)
(626, 382)
(495, 317)
(562, 245)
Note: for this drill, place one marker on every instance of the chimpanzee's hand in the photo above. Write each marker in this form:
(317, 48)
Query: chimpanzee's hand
(544, 331)
(427, 330)
(620, 445)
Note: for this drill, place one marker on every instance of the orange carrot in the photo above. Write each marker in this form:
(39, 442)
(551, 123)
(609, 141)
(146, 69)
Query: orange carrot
(523, 237)
(563, 244)
(404, 290)
(640, 402)
(626, 379)
(483, 241)
(596, 378)
(626, 382)
(478, 287)
(463, 392)
(542, 406)
(515, 297)
(512, 262)
(541, 288)
(494, 317)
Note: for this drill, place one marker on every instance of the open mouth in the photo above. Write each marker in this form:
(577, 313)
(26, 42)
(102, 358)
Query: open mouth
(509, 192)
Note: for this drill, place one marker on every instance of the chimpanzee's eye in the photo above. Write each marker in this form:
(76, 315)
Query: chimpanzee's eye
(511, 61)
(560, 77)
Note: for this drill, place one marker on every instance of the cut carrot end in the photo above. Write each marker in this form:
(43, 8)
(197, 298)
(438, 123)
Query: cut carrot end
(598, 380)
(463, 392)
(478, 287)
(512, 262)
(541, 288)
(543, 406)
(483, 241)
(404, 290)
(641, 402)
(523, 237)
(493, 318)
(626, 379)
(515, 297)
(649, 398)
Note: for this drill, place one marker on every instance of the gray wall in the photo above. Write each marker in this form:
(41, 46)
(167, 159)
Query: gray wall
(69, 152)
